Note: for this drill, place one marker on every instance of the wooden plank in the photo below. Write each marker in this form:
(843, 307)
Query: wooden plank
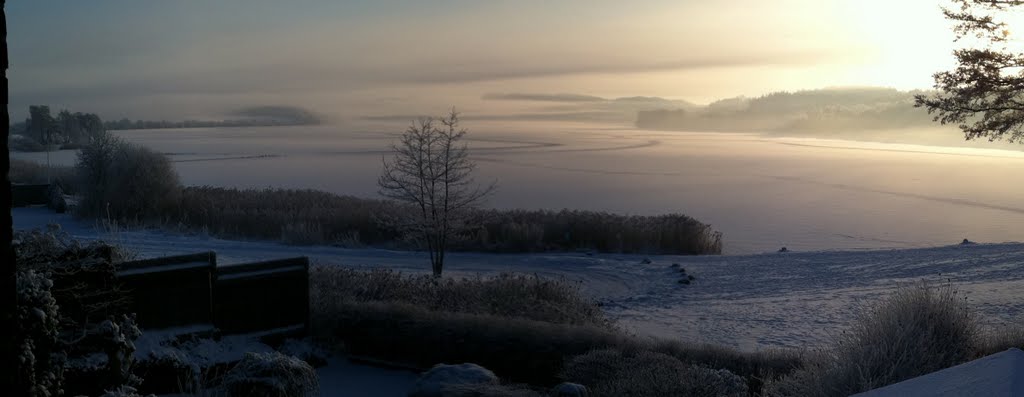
(171, 291)
(260, 296)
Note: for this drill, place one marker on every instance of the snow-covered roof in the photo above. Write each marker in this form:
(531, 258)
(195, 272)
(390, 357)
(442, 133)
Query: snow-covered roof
(998, 375)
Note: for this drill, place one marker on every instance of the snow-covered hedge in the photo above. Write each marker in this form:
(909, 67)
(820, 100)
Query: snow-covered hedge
(614, 373)
(36, 331)
(509, 295)
(271, 375)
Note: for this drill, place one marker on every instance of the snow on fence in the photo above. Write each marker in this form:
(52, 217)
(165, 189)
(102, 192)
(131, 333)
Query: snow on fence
(264, 296)
(26, 195)
(171, 291)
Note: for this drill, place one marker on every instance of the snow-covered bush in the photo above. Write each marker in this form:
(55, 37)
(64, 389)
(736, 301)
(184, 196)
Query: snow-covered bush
(1000, 339)
(305, 350)
(117, 336)
(124, 181)
(123, 391)
(168, 368)
(916, 331)
(271, 375)
(36, 332)
(489, 390)
(93, 329)
(642, 373)
(505, 295)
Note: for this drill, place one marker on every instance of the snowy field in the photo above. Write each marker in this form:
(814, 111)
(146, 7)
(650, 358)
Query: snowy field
(762, 193)
(794, 299)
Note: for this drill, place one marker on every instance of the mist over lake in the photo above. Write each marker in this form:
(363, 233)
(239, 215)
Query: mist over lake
(761, 193)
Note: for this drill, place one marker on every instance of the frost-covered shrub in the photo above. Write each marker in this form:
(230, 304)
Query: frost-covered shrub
(36, 332)
(117, 336)
(305, 350)
(916, 331)
(489, 390)
(1000, 339)
(124, 181)
(93, 328)
(506, 295)
(123, 391)
(168, 369)
(271, 375)
(642, 373)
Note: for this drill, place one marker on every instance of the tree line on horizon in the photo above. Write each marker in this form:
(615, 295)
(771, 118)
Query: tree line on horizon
(256, 116)
(42, 130)
(833, 109)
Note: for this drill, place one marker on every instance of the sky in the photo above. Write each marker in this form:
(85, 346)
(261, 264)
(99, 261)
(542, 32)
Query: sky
(348, 59)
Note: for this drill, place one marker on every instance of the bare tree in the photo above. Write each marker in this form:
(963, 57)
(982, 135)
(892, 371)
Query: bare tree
(984, 93)
(432, 174)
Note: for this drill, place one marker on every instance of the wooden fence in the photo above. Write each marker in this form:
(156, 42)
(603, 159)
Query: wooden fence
(269, 297)
(171, 291)
(263, 296)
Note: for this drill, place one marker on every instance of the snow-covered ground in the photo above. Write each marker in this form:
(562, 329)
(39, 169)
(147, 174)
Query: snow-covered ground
(794, 299)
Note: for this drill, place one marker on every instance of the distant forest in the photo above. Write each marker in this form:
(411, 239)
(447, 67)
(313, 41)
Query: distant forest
(823, 111)
(42, 131)
(249, 117)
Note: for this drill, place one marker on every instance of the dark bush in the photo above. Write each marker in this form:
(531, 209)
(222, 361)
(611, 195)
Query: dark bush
(569, 230)
(316, 217)
(515, 349)
(126, 182)
(271, 375)
(613, 373)
(506, 295)
(916, 331)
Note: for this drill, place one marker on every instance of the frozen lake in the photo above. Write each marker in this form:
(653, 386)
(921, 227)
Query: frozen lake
(762, 193)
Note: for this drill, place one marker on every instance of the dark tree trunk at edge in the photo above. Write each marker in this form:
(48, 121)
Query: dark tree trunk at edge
(9, 289)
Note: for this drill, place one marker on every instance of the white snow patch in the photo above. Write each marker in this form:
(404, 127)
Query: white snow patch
(997, 375)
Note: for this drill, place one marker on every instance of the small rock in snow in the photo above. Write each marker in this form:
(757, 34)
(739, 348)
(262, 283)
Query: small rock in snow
(675, 266)
(783, 249)
(685, 281)
(646, 261)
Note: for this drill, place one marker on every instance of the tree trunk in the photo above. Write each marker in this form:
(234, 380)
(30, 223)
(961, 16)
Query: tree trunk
(442, 247)
(8, 378)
